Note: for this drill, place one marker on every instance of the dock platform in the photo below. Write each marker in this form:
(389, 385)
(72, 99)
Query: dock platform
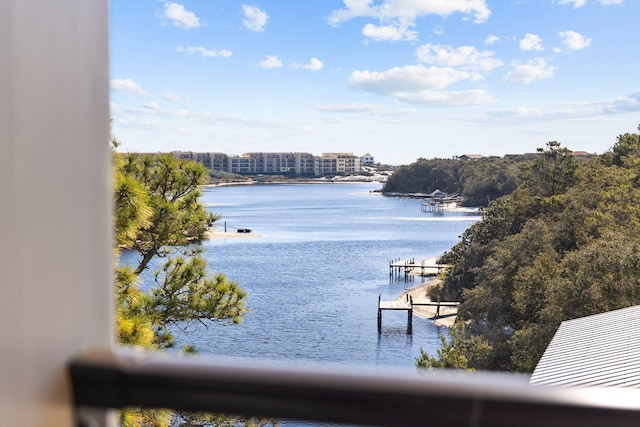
(409, 304)
(404, 269)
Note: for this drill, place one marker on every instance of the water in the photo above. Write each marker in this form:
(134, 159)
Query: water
(314, 275)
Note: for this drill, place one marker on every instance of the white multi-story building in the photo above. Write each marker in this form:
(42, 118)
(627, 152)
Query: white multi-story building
(337, 164)
(299, 164)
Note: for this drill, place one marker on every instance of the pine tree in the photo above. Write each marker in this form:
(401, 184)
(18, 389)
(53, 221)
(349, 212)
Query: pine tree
(159, 214)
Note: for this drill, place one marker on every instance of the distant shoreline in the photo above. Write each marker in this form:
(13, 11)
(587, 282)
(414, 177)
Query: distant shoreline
(296, 181)
(292, 182)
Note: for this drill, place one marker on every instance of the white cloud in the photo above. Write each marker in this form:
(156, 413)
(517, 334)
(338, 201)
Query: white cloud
(547, 113)
(180, 112)
(583, 109)
(580, 110)
(113, 108)
(180, 17)
(373, 109)
(448, 98)
(397, 112)
(154, 109)
(171, 97)
(530, 71)
(623, 104)
(271, 62)
(127, 86)
(576, 3)
(349, 108)
(390, 33)
(531, 42)
(573, 40)
(314, 65)
(464, 56)
(407, 11)
(491, 39)
(212, 118)
(206, 53)
(407, 79)
(153, 106)
(254, 18)
(438, 30)
(354, 9)
(333, 119)
(579, 3)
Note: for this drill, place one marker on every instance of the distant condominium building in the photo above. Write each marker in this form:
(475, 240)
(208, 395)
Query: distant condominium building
(294, 164)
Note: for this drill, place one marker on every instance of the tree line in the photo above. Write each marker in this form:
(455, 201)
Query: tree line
(565, 243)
(478, 181)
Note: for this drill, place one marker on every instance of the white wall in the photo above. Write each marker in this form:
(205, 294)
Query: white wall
(55, 251)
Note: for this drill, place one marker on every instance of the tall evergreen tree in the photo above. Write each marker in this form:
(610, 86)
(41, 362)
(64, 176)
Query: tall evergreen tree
(158, 213)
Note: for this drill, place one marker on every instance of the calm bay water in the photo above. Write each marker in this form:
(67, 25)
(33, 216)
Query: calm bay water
(314, 275)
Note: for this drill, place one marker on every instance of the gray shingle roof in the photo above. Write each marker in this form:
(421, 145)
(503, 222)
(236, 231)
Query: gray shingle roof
(599, 350)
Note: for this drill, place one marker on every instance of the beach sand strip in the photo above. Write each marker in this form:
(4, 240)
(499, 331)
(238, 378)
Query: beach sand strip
(215, 234)
(448, 315)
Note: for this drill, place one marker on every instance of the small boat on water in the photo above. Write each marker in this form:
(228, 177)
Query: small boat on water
(244, 230)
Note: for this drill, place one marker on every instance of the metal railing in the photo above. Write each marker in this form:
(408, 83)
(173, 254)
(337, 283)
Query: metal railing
(378, 396)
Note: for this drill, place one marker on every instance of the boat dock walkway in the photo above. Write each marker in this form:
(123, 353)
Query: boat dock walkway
(439, 204)
(410, 303)
(403, 269)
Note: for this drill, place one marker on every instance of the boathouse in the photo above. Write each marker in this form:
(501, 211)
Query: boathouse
(437, 201)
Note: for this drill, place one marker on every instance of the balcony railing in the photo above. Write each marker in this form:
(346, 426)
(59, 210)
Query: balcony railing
(338, 394)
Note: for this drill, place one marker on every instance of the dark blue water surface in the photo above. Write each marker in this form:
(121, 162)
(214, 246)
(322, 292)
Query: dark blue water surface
(313, 267)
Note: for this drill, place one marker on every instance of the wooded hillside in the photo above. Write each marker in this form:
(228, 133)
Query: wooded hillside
(478, 181)
(564, 244)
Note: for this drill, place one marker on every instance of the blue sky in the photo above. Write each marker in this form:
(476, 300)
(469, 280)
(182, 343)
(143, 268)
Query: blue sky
(400, 79)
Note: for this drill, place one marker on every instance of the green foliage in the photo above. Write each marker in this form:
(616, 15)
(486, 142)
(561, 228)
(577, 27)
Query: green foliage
(478, 181)
(451, 353)
(487, 179)
(133, 325)
(456, 352)
(203, 420)
(552, 172)
(425, 176)
(185, 295)
(564, 244)
(176, 217)
(158, 213)
(626, 151)
(135, 417)
(132, 211)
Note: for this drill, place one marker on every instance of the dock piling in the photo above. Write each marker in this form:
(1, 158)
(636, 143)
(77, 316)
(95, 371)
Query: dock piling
(407, 270)
(408, 304)
(379, 315)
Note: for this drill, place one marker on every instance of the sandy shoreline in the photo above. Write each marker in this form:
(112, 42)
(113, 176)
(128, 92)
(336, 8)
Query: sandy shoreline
(448, 315)
(215, 234)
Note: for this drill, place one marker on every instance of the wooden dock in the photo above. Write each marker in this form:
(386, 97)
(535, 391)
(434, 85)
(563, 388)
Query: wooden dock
(439, 205)
(405, 269)
(408, 306)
